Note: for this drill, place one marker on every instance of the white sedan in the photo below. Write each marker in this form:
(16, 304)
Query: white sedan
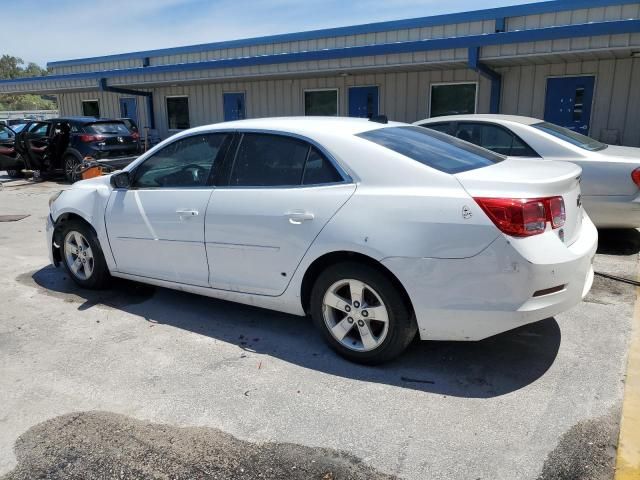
(610, 173)
(378, 230)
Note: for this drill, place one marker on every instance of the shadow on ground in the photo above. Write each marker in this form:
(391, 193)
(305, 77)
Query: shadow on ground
(488, 368)
(106, 445)
(619, 242)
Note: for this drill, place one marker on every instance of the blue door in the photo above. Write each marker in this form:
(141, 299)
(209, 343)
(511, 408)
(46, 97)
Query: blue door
(568, 102)
(363, 102)
(129, 108)
(233, 104)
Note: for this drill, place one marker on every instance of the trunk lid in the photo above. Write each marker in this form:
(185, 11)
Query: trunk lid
(531, 179)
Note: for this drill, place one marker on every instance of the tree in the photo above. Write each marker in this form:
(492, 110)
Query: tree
(12, 67)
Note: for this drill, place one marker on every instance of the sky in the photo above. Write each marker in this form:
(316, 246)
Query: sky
(43, 30)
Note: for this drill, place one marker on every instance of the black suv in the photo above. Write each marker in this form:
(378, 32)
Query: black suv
(59, 145)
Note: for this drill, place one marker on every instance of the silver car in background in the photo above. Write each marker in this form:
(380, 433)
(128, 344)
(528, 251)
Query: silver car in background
(610, 173)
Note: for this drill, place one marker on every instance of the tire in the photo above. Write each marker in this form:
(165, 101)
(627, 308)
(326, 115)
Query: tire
(93, 272)
(382, 341)
(70, 163)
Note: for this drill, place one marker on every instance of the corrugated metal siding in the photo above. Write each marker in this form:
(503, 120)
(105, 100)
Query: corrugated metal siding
(404, 96)
(616, 106)
(574, 17)
(71, 104)
(441, 31)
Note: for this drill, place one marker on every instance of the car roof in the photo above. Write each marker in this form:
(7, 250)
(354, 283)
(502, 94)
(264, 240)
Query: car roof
(483, 117)
(304, 125)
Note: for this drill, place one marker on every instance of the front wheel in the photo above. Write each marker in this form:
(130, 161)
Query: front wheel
(362, 315)
(71, 168)
(83, 257)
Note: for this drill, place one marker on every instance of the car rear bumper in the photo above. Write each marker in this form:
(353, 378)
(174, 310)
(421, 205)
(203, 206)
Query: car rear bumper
(613, 211)
(498, 289)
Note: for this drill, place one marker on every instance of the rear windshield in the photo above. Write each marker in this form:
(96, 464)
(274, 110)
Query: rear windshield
(434, 149)
(574, 138)
(106, 128)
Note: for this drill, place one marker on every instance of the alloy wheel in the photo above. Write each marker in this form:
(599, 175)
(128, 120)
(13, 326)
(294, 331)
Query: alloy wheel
(355, 315)
(78, 255)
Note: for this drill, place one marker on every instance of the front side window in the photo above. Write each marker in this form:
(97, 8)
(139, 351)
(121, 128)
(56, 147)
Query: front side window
(321, 103)
(574, 138)
(184, 163)
(5, 133)
(494, 138)
(268, 160)
(91, 108)
(433, 149)
(178, 113)
(39, 130)
(453, 99)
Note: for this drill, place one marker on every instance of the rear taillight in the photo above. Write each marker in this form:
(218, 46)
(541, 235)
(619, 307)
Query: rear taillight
(522, 217)
(88, 138)
(557, 213)
(635, 176)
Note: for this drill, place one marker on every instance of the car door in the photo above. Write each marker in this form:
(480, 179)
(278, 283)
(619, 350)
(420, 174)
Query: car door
(8, 152)
(279, 193)
(156, 227)
(36, 141)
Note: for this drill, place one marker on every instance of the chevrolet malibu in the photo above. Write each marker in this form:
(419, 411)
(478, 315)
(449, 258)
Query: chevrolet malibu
(610, 173)
(377, 230)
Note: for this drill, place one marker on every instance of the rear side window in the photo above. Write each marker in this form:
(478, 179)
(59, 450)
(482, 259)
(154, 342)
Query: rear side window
(433, 149)
(319, 170)
(108, 128)
(494, 138)
(268, 161)
(439, 127)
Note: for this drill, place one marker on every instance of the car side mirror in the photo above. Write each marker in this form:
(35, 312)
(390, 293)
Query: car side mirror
(120, 180)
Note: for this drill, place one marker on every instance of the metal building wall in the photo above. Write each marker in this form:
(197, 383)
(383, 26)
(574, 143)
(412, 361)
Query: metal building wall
(70, 104)
(404, 96)
(616, 108)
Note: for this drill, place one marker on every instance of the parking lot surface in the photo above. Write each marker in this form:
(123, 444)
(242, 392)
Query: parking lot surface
(139, 381)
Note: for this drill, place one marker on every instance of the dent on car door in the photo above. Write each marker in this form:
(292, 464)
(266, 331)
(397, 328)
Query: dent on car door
(156, 227)
(281, 192)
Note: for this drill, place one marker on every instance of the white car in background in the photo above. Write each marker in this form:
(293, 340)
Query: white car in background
(378, 230)
(610, 173)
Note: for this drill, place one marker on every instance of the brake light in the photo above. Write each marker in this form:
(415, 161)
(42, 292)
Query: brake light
(522, 217)
(635, 176)
(557, 213)
(88, 138)
(135, 136)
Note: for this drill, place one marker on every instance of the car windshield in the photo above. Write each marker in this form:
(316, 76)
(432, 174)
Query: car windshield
(574, 138)
(106, 128)
(434, 149)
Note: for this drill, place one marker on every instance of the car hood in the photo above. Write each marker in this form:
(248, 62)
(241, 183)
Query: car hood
(93, 183)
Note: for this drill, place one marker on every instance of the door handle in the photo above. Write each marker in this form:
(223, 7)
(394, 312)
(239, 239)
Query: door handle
(187, 212)
(299, 217)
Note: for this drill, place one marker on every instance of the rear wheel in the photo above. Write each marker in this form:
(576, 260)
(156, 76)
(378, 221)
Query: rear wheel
(83, 257)
(71, 168)
(361, 313)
